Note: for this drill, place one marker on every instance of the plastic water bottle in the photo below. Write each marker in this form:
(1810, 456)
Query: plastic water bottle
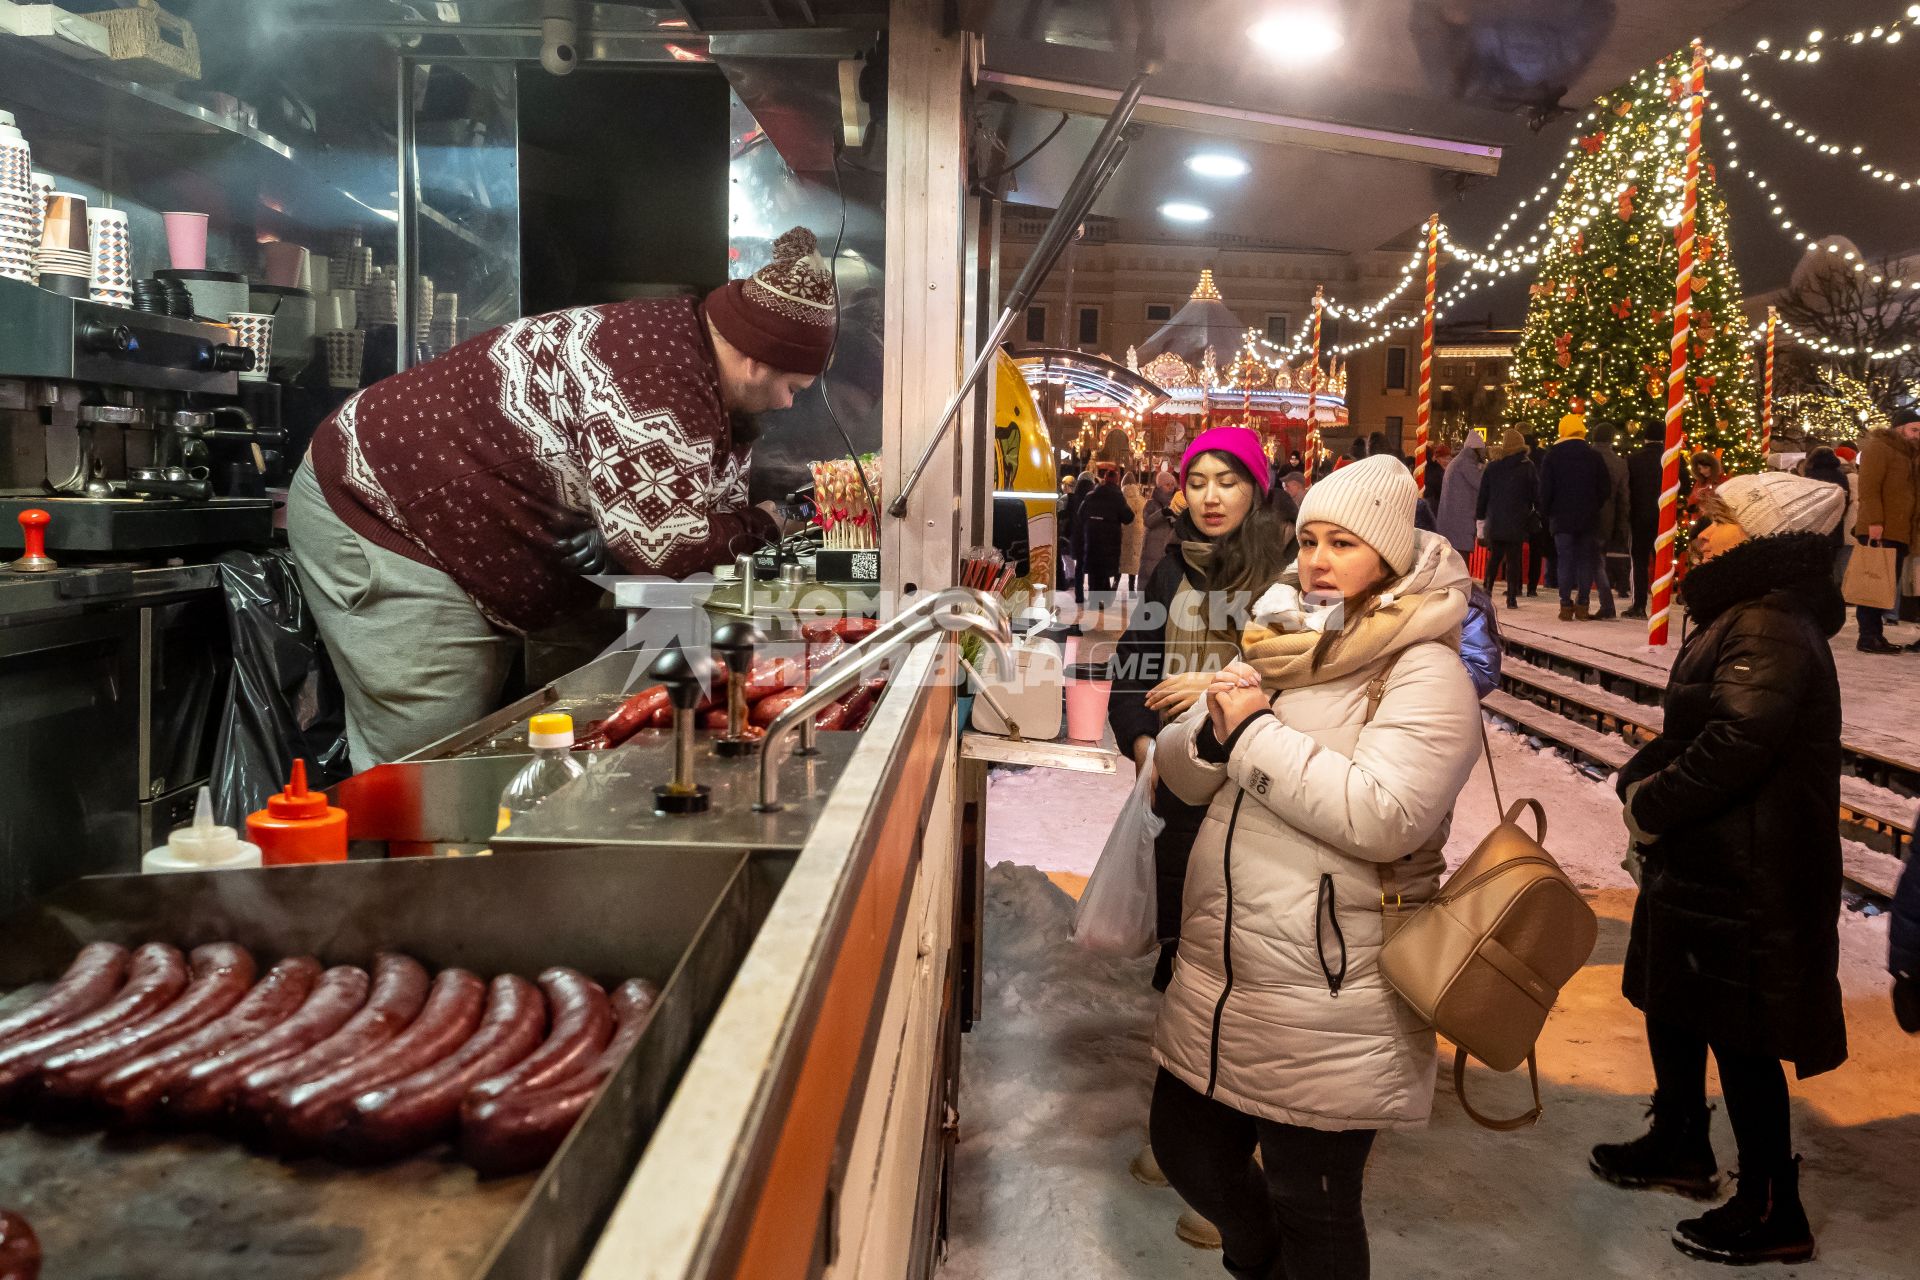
(553, 766)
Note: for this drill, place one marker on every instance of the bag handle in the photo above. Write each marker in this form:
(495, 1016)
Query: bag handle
(1521, 1121)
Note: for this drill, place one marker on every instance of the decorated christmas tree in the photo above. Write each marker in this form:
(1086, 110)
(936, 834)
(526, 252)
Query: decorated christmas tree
(1600, 317)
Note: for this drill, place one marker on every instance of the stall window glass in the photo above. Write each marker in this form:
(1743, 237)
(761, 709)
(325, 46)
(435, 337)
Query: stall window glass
(1159, 312)
(1396, 368)
(1395, 425)
(1277, 329)
(1089, 327)
(1036, 324)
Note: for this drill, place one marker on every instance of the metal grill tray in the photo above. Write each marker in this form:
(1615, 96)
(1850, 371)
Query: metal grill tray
(196, 1207)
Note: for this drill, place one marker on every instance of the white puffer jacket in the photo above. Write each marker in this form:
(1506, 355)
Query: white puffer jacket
(1284, 881)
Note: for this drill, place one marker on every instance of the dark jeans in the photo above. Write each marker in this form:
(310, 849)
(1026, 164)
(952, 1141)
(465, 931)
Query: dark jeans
(1507, 554)
(1755, 1088)
(1302, 1220)
(1873, 625)
(1575, 562)
(1644, 536)
(1541, 547)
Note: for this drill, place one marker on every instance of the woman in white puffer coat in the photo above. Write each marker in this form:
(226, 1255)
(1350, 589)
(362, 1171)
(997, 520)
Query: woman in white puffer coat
(1278, 1029)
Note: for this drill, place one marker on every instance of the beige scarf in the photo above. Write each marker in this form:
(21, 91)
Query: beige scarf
(1194, 641)
(1428, 603)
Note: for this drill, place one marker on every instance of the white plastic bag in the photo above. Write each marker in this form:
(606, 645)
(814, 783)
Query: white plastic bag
(1116, 915)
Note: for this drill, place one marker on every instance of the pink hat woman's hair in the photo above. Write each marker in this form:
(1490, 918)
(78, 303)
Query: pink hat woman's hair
(1239, 443)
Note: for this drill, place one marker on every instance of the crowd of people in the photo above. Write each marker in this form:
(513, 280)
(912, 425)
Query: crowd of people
(1301, 675)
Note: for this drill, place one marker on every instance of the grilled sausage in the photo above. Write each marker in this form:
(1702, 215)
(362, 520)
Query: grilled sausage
(134, 1090)
(155, 975)
(632, 717)
(405, 1115)
(222, 972)
(582, 1025)
(851, 629)
(204, 1089)
(770, 675)
(399, 993)
(19, 1248)
(859, 704)
(762, 712)
(521, 1129)
(88, 983)
(303, 1116)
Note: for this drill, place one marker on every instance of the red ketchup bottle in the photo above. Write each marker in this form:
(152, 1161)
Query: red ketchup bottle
(298, 825)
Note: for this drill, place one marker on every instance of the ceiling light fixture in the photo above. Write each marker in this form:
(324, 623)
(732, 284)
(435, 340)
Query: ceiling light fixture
(1299, 34)
(1181, 211)
(1218, 164)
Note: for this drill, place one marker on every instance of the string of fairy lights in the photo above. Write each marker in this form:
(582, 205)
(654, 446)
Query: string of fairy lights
(1499, 259)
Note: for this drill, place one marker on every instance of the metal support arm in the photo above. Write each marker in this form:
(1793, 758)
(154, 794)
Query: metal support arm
(1101, 161)
(974, 610)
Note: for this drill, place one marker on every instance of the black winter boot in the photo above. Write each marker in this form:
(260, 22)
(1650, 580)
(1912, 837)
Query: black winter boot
(1762, 1223)
(1674, 1154)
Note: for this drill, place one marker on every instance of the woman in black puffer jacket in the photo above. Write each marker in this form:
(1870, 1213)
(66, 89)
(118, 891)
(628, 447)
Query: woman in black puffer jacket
(1735, 944)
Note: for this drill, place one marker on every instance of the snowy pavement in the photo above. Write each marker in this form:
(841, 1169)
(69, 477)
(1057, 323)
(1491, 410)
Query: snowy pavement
(1055, 1080)
(1880, 693)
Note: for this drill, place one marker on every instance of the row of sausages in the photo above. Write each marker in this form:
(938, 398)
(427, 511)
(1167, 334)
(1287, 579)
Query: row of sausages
(357, 1065)
(772, 685)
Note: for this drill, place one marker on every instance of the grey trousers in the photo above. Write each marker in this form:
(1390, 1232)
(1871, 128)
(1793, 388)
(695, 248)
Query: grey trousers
(416, 658)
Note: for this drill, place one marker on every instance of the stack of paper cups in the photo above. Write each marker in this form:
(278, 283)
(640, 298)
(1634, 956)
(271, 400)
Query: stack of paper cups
(21, 210)
(112, 257)
(346, 351)
(446, 322)
(252, 329)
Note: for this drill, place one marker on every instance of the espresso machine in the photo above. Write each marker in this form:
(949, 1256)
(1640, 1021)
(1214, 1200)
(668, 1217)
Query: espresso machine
(120, 431)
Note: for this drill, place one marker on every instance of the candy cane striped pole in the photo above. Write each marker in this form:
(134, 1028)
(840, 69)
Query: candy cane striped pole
(1766, 395)
(1677, 363)
(1313, 389)
(1424, 412)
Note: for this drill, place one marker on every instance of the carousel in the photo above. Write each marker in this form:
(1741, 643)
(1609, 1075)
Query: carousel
(1202, 368)
(1216, 371)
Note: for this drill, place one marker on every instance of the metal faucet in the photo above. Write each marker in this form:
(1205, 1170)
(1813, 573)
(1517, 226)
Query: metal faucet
(972, 609)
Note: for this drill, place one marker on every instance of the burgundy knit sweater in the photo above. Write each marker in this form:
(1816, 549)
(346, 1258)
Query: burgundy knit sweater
(477, 463)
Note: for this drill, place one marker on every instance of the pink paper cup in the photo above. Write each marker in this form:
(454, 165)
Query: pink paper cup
(1087, 692)
(186, 240)
(286, 264)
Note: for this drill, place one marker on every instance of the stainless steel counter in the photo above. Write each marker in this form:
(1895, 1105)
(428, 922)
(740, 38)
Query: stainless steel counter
(28, 597)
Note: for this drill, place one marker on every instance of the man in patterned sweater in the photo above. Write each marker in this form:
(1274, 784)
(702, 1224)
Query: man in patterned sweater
(443, 510)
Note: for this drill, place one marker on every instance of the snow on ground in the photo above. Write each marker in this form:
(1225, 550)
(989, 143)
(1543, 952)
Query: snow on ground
(1055, 1080)
(1880, 693)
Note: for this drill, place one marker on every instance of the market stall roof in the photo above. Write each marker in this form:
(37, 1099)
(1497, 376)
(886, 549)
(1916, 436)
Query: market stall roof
(1205, 324)
(1345, 154)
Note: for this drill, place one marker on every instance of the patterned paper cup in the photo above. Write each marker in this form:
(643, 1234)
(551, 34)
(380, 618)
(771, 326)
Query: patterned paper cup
(251, 329)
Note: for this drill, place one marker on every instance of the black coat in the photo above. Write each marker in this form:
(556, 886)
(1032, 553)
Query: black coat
(1574, 487)
(1833, 473)
(1643, 490)
(1070, 514)
(1736, 931)
(1134, 669)
(1101, 516)
(1507, 498)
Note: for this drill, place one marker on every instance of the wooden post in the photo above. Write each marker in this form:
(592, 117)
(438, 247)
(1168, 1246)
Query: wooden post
(1663, 556)
(1313, 389)
(1424, 410)
(1766, 392)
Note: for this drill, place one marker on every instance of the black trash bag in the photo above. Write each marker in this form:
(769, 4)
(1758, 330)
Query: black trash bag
(284, 701)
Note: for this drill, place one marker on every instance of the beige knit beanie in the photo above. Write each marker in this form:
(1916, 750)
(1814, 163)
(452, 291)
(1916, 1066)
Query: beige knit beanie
(1374, 500)
(1781, 502)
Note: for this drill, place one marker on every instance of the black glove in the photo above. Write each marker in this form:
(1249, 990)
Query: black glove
(1906, 1003)
(585, 553)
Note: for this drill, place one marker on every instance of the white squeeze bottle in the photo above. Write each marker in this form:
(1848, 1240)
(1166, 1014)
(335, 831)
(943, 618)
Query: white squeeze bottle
(553, 766)
(202, 846)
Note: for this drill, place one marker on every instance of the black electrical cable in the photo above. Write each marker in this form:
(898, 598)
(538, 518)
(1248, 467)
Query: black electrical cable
(833, 267)
(1007, 171)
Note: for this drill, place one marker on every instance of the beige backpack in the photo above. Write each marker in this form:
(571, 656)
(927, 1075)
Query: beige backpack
(1485, 959)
